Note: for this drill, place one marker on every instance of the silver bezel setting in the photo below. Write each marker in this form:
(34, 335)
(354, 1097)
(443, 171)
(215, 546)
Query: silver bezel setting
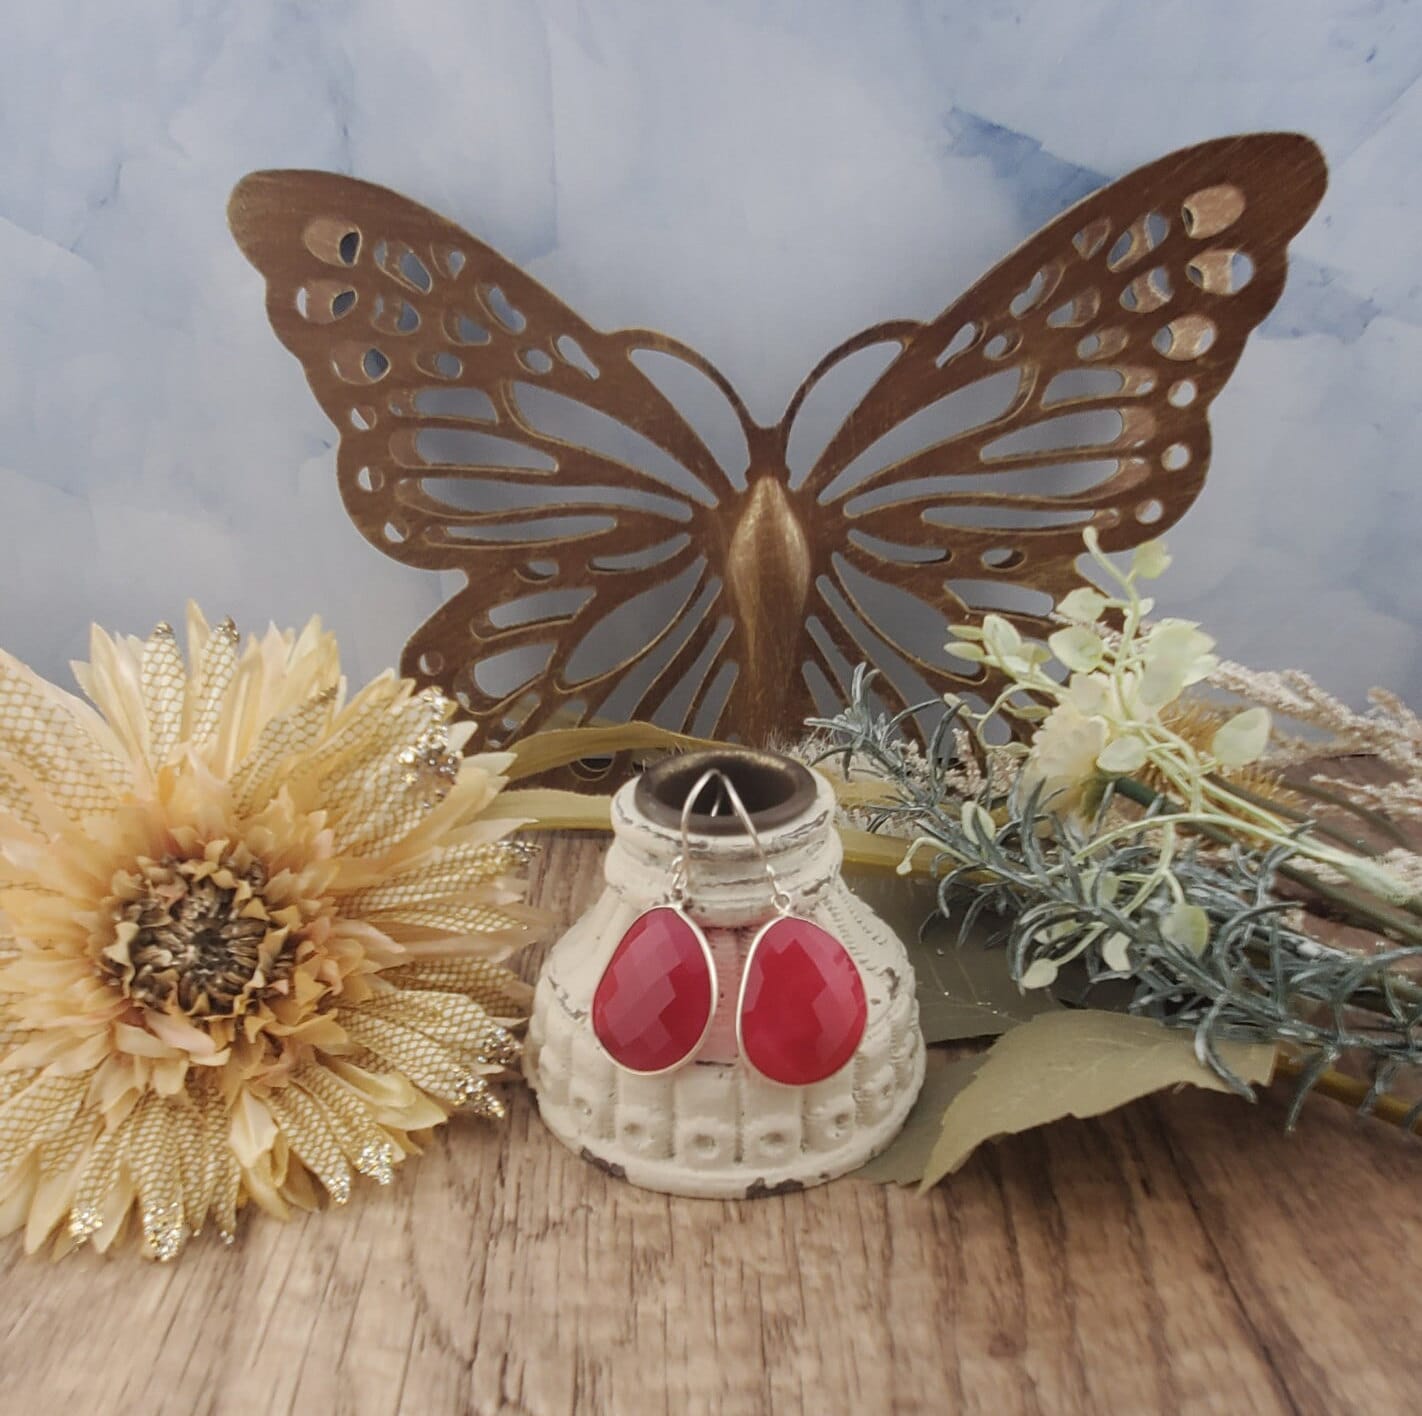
(741, 1052)
(710, 962)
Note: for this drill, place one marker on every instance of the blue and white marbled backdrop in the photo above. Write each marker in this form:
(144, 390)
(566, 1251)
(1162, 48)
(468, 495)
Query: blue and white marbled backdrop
(759, 178)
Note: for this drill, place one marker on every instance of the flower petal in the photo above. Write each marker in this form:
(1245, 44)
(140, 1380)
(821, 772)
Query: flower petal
(1088, 692)
(253, 1130)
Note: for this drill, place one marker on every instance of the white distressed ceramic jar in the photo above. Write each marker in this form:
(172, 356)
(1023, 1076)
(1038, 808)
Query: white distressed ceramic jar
(715, 1127)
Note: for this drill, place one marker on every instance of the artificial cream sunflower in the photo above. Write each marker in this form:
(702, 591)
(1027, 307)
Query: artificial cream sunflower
(248, 933)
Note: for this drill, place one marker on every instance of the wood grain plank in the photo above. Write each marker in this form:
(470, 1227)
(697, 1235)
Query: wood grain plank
(1181, 1254)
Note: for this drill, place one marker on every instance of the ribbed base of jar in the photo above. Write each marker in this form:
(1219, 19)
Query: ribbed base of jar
(746, 1181)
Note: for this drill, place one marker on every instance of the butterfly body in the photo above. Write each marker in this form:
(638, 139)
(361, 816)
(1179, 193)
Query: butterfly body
(616, 567)
(768, 575)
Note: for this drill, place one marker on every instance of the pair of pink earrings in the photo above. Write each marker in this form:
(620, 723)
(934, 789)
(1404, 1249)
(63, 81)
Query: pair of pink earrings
(801, 1011)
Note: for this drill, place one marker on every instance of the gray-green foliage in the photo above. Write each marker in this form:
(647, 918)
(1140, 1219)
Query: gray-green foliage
(1252, 975)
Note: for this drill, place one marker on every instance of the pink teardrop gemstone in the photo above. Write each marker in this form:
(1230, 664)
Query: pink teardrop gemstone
(656, 995)
(802, 1004)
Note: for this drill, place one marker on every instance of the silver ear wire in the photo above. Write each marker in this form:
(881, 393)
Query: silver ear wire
(681, 866)
(779, 898)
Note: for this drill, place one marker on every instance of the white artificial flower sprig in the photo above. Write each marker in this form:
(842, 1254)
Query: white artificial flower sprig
(1104, 722)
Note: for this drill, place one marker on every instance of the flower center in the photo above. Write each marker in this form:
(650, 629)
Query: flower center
(194, 936)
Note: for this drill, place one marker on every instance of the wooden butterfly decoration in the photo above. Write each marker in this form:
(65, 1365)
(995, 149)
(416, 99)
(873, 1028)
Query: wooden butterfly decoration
(486, 429)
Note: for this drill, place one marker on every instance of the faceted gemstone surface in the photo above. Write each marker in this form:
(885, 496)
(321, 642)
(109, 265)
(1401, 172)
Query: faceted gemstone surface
(655, 996)
(803, 1009)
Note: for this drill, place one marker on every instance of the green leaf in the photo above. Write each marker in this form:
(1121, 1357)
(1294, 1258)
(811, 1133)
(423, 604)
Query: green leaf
(1025, 712)
(1242, 740)
(1076, 1063)
(1116, 951)
(1150, 560)
(1162, 682)
(964, 990)
(1176, 653)
(1377, 879)
(973, 653)
(1187, 927)
(1122, 755)
(977, 822)
(1001, 637)
(904, 1162)
(968, 991)
(1103, 881)
(1202, 668)
(1083, 606)
(1040, 973)
(1077, 647)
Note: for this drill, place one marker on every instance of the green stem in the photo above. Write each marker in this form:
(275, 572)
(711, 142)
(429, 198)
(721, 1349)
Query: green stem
(1161, 872)
(1213, 823)
(1302, 818)
(1376, 819)
(1342, 1087)
(1372, 913)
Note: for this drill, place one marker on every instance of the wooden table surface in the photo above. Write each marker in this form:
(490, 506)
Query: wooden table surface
(1182, 1254)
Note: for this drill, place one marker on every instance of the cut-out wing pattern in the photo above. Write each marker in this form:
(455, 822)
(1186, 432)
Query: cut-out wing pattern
(615, 567)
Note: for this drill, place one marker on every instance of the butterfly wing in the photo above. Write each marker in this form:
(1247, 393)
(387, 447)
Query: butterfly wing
(632, 577)
(486, 429)
(1069, 387)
